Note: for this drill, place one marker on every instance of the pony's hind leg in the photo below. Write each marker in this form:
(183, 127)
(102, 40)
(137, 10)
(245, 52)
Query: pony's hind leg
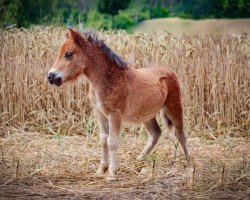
(154, 133)
(174, 112)
(167, 121)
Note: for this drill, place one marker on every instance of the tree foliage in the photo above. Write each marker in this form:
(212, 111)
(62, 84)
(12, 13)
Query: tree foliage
(112, 7)
(115, 13)
(199, 9)
(23, 12)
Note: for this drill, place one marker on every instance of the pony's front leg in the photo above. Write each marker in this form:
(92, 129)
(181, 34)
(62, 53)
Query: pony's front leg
(104, 131)
(115, 120)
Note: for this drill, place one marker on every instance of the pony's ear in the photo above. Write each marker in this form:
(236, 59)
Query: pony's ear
(67, 34)
(75, 35)
(70, 33)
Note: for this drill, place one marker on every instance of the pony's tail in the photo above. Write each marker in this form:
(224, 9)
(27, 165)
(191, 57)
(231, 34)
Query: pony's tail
(167, 121)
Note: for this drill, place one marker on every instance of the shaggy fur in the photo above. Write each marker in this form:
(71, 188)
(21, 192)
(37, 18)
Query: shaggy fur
(120, 94)
(93, 38)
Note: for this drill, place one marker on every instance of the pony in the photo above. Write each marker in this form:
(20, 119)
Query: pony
(120, 94)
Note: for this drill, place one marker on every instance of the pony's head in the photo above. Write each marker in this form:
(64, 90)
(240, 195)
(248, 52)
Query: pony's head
(80, 52)
(71, 60)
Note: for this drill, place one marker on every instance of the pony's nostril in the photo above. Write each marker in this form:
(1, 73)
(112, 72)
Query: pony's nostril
(51, 77)
(58, 81)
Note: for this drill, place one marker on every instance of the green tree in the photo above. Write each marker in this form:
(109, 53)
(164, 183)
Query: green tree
(210, 9)
(112, 7)
(10, 12)
(24, 12)
(115, 13)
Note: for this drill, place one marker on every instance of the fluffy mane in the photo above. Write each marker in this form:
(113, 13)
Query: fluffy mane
(93, 38)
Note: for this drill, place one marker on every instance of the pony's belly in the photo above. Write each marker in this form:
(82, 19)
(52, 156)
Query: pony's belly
(138, 119)
(144, 112)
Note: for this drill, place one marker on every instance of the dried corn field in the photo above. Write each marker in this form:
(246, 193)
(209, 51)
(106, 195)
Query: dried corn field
(42, 156)
(213, 70)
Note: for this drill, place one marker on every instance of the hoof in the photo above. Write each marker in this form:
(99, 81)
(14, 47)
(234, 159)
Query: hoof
(145, 171)
(111, 178)
(99, 174)
(102, 169)
(140, 157)
(187, 157)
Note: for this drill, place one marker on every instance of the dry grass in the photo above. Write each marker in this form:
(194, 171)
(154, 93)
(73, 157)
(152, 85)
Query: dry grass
(43, 166)
(213, 71)
(36, 165)
(42, 156)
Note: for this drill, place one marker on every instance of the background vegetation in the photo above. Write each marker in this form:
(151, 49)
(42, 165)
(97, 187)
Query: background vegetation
(49, 138)
(110, 14)
(208, 68)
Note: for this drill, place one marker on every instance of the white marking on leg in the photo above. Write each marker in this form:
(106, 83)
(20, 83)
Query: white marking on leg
(103, 126)
(113, 147)
(104, 146)
(113, 140)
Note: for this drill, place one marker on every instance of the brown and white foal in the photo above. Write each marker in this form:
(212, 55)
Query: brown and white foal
(120, 93)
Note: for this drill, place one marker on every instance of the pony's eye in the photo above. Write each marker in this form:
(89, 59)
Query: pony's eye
(68, 54)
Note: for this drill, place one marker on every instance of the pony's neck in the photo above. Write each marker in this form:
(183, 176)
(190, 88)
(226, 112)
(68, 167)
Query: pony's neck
(101, 71)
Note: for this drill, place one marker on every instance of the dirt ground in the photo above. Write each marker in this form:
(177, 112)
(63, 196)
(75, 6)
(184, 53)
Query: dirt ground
(39, 166)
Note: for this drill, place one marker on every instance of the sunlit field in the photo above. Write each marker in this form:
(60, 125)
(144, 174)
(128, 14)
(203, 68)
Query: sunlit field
(179, 26)
(49, 138)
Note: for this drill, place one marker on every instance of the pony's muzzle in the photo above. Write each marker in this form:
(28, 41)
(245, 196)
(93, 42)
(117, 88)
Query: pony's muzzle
(53, 79)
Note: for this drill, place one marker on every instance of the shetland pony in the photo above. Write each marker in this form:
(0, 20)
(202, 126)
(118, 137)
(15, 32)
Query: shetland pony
(120, 93)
